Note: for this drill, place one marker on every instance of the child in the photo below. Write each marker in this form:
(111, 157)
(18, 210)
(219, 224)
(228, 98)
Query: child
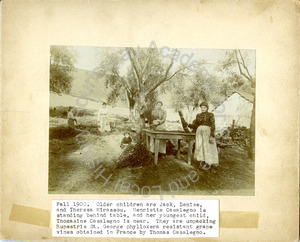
(126, 141)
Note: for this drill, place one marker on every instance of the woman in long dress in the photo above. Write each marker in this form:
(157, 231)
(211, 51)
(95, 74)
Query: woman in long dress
(205, 148)
(103, 122)
(158, 117)
(71, 119)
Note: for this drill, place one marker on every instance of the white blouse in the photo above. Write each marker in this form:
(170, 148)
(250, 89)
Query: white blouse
(102, 111)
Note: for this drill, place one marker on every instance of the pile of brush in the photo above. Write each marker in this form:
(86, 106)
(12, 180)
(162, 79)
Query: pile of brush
(135, 156)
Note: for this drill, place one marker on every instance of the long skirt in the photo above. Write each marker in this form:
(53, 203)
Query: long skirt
(103, 124)
(204, 151)
(162, 146)
(162, 143)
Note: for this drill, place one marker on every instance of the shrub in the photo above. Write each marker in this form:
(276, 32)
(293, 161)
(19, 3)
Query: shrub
(62, 112)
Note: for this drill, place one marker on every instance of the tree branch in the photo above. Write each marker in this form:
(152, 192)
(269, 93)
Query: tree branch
(148, 58)
(135, 70)
(136, 78)
(136, 59)
(171, 64)
(139, 72)
(165, 77)
(239, 65)
(127, 86)
(176, 72)
(244, 65)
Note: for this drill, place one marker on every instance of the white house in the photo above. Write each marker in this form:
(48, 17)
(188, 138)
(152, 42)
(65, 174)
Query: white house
(236, 108)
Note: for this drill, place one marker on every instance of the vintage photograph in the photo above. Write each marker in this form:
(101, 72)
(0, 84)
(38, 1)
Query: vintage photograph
(156, 120)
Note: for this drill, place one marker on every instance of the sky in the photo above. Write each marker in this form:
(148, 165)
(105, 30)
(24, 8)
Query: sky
(88, 57)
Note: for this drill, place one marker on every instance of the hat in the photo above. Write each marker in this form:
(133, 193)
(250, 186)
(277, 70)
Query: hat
(204, 104)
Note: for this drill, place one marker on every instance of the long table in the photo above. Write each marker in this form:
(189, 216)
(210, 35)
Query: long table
(158, 135)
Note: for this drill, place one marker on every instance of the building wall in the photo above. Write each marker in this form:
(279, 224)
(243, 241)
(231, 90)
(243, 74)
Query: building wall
(234, 108)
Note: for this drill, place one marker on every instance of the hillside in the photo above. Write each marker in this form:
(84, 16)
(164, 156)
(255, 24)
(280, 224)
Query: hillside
(100, 92)
(99, 95)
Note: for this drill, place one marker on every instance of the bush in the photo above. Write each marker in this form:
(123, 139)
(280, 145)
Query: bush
(62, 112)
(135, 156)
(240, 135)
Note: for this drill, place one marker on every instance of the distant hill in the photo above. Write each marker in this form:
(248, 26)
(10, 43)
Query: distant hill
(99, 95)
(100, 92)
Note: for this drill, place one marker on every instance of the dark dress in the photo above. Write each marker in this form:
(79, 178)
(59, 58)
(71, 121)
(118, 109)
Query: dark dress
(71, 120)
(206, 119)
(125, 142)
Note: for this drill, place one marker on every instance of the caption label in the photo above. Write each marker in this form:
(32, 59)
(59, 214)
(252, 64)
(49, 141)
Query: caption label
(135, 219)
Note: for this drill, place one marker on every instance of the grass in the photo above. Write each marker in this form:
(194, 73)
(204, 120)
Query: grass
(69, 172)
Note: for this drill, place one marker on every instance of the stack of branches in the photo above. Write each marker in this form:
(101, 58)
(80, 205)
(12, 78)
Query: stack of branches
(240, 136)
(135, 155)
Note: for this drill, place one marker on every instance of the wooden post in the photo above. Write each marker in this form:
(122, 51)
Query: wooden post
(147, 141)
(233, 122)
(190, 151)
(178, 150)
(156, 149)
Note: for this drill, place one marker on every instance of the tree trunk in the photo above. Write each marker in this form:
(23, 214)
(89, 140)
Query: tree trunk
(140, 119)
(251, 151)
(131, 114)
(131, 103)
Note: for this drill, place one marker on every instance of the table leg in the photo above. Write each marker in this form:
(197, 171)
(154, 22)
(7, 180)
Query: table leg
(178, 150)
(147, 141)
(156, 148)
(190, 151)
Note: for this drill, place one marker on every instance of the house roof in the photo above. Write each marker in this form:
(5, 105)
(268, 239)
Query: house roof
(248, 96)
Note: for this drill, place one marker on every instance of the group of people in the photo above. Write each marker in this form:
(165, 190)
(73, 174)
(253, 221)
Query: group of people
(203, 126)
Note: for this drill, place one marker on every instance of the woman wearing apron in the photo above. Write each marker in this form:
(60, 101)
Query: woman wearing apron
(205, 148)
(158, 117)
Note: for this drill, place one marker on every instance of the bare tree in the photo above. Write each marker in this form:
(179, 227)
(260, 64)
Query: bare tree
(237, 60)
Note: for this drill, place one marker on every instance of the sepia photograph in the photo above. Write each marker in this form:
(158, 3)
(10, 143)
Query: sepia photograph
(151, 121)
(160, 120)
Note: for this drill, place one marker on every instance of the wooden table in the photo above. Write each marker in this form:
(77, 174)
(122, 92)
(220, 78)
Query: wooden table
(158, 135)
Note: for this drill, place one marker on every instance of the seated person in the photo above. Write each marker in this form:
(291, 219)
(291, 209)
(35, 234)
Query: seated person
(127, 140)
(158, 118)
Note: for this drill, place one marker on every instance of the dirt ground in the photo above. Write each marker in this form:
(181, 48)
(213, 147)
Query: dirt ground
(69, 172)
